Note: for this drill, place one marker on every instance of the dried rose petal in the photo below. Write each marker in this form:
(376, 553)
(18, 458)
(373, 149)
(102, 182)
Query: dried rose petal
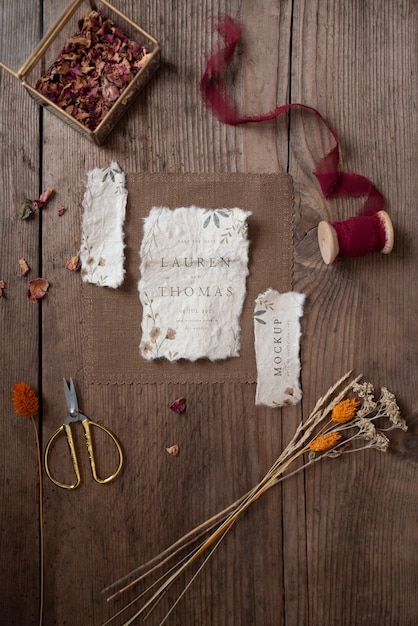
(61, 210)
(179, 405)
(110, 92)
(37, 288)
(43, 198)
(24, 267)
(92, 70)
(26, 209)
(73, 264)
(2, 286)
(173, 450)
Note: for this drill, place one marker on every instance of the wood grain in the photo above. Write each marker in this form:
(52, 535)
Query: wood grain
(358, 556)
(19, 319)
(332, 545)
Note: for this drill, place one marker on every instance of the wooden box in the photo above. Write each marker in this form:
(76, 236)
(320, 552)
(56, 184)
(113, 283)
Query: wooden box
(97, 124)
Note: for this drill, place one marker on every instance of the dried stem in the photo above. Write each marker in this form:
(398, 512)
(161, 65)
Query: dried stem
(41, 522)
(321, 427)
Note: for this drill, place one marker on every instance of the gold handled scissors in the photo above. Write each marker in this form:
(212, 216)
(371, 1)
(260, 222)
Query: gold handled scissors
(74, 415)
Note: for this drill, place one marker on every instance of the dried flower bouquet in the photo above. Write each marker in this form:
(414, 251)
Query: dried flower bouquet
(347, 419)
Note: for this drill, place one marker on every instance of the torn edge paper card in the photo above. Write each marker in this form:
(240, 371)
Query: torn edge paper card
(194, 264)
(277, 344)
(102, 238)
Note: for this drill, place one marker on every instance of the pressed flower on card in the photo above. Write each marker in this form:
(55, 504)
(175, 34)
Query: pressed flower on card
(157, 337)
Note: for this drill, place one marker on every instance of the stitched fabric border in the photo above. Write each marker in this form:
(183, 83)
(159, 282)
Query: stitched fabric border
(112, 318)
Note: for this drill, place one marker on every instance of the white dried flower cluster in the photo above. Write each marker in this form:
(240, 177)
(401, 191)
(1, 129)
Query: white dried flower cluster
(392, 411)
(338, 424)
(365, 391)
(370, 411)
(374, 437)
(386, 406)
(366, 428)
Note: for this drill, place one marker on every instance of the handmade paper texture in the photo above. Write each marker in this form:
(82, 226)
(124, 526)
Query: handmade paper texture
(277, 340)
(194, 264)
(102, 237)
(110, 346)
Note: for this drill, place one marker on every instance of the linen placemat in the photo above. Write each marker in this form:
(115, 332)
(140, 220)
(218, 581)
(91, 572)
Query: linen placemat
(112, 317)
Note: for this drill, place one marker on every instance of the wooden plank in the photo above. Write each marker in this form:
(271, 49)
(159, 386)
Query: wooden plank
(332, 545)
(353, 62)
(19, 487)
(97, 534)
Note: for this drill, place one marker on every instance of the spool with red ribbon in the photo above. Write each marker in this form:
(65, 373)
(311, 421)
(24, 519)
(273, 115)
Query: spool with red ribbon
(372, 230)
(358, 236)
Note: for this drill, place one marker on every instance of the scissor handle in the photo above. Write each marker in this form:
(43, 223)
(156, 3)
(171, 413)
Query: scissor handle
(65, 428)
(86, 424)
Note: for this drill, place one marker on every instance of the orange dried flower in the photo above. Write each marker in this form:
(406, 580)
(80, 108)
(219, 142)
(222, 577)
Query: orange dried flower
(325, 442)
(25, 400)
(345, 410)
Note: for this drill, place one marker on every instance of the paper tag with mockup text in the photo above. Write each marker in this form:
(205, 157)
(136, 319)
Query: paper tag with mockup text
(277, 340)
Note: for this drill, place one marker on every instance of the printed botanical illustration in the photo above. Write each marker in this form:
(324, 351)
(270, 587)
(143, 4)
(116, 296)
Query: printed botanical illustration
(194, 264)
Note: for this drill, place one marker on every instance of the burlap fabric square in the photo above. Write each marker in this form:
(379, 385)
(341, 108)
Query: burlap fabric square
(112, 317)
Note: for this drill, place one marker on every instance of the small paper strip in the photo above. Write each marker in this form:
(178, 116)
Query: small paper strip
(102, 238)
(277, 338)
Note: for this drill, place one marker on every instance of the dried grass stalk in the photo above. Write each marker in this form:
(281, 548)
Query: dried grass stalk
(346, 419)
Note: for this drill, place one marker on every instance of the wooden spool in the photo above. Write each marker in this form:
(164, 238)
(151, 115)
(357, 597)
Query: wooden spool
(328, 239)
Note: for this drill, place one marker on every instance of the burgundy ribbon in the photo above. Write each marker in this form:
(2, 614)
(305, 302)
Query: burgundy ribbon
(333, 182)
(360, 235)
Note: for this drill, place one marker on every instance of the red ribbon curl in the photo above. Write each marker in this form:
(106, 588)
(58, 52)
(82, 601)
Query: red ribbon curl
(333, 182)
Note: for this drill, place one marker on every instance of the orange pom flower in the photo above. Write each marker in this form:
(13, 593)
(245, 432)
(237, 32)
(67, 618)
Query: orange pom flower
(25, 400)
(325, 442)
(345, 410)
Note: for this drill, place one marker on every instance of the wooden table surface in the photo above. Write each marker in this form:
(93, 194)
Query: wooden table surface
(335, 544)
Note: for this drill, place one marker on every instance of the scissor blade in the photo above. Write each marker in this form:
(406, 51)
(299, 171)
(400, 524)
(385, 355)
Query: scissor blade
(71, 398)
